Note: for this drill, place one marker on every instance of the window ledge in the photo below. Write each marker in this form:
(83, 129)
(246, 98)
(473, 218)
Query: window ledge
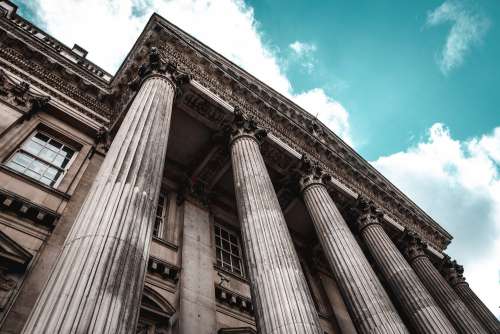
(233, 275)
(166, 243)
(45, 187)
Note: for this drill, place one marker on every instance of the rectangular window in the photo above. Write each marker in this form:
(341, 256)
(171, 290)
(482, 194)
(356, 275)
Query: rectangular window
(161, 215)
(228, 250)
(42, 158)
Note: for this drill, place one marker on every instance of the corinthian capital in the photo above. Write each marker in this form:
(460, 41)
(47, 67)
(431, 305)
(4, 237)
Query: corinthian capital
(412, 246)
(245, 126)
(453, 272)
(156, 66)
(311, 173)
(369, 214)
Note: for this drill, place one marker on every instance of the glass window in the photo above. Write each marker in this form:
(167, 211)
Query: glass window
(161, 215)
(42, 158)
(228, 250)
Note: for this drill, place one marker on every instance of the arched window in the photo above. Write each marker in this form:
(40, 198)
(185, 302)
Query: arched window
(155, 313)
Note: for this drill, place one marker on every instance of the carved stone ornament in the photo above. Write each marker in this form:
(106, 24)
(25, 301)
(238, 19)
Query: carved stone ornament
(18, 93)
(453, 272)
(155, 65)
(412, 246)
(244, 125)
(311, 173)
(369, 214)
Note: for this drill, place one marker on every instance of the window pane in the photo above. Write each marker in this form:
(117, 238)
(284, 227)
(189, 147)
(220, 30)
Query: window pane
(66, 151)
(224, 234)
(22, 159)
(225, 245)
(47, 155)
(235, 250)
(55, 145)
(233, 239)
(41, 138)
(59, 161)
(47, 181)
(32, 174)
(51, 173)
(38, 167)
(15, 166)
(32, 147)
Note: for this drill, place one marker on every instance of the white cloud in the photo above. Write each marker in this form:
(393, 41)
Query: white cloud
(329, 111)
(304, 54)
(108, 29)
(468, 29)
(458, 183)
(302, 48)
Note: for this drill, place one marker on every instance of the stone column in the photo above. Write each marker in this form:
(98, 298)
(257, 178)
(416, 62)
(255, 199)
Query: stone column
(414, 250)
(410, 294)
(96, 283)
(283, 304)
(369, 305)
(453, 273)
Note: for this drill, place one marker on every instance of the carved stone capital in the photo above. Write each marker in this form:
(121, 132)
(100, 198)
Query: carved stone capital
(369, 214)
(453, 272)
(245, 126)
(156, 66)
(311, 173)
(412, 246)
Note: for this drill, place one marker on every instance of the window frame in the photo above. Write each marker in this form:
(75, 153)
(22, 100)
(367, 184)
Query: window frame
(240, 257)
(20, 149)
(164, 215)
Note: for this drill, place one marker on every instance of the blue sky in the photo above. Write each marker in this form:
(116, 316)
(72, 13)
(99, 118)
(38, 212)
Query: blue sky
(411, 85)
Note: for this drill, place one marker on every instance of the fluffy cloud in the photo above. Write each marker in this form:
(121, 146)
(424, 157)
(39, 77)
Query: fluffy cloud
(458, 183)
(329, 111)
(468, 28)
(304, 53)
(227, 26)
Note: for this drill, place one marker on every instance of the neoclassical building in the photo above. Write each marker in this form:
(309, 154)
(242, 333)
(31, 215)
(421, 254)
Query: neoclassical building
(184, 196)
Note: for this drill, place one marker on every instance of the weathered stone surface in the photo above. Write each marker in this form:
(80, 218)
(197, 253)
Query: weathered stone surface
(410, 294)
(96, 284)
(280, 293)
(454, 308)
(197, 296)
(453, 273)
(369, 305)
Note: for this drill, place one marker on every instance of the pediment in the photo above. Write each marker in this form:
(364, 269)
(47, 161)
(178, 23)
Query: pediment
(13, 253)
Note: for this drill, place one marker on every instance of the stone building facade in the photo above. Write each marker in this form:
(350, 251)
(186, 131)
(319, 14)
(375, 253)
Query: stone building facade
(182, 195)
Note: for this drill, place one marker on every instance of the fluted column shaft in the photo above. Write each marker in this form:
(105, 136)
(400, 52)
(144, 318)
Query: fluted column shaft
(476, 306)
(279, 289)
(410, 294)
(444, 295)
(453, 273)
(96, 284)
(366, 299)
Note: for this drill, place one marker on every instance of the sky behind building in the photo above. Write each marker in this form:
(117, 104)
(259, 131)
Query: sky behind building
(413, 86)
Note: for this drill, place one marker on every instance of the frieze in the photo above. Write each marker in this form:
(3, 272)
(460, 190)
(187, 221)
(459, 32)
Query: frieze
(4, 55)
(15, 58)
(216, 81)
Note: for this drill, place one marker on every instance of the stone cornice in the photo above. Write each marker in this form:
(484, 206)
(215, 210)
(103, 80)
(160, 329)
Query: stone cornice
(291, 124)
(32, 35)
(28, 52)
